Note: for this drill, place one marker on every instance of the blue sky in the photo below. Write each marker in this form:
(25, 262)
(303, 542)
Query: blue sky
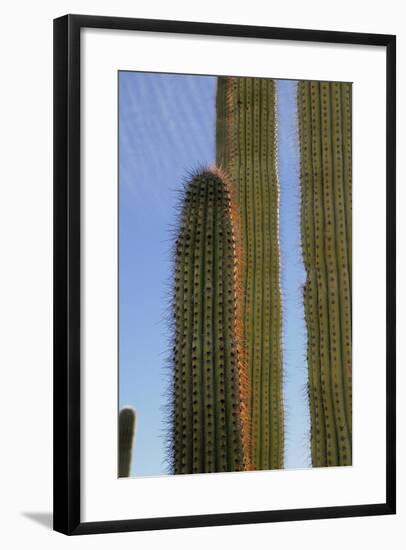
(166, 128)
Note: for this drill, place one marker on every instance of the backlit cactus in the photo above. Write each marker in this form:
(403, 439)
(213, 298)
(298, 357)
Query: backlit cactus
(126, 429)
(210, 424)
(324, 113)
(246, 149)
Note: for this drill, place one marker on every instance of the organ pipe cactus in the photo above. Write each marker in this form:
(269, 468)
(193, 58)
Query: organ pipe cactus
(246, 149)
(324, 113)
(126, 428)
(210, 426)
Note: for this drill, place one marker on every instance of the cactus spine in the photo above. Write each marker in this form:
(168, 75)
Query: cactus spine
(246, 149)
(126, 429)
(210, 429)
(324, 113)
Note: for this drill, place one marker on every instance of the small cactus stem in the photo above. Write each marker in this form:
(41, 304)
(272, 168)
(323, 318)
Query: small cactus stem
(126, 429)
(213, 434)
(246, 149)
(324, 172)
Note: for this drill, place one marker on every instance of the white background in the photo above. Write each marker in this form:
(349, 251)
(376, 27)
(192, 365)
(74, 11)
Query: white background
(26, 253)
(364, 482)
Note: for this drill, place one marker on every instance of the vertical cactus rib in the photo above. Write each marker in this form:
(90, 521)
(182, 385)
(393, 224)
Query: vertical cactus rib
(276, 298)
(266, 280)
(126, 429)
(321, 275)
(334, 262)
(210, 430)
(346, 114)
(342, 255)
(183, 421)
(325, 218)
(246, 149)
(315, 311)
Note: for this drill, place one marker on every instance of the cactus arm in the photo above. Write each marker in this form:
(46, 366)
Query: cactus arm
(126, 428)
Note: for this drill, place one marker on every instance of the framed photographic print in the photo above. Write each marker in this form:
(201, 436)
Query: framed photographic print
(224, 274)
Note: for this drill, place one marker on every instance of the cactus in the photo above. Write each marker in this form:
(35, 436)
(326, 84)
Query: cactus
(209, 424)
(246, 150)
(126, 428)
(324, 114)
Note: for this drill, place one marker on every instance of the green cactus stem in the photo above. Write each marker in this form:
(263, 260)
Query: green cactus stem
(126, 429)
(210, 427)
(324, 114)
(247, 150)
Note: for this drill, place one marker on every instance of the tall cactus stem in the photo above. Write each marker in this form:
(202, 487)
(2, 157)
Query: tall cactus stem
(325, 143)
(246, 149)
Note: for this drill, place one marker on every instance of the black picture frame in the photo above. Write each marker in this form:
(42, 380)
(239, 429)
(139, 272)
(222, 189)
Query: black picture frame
(67, 254)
